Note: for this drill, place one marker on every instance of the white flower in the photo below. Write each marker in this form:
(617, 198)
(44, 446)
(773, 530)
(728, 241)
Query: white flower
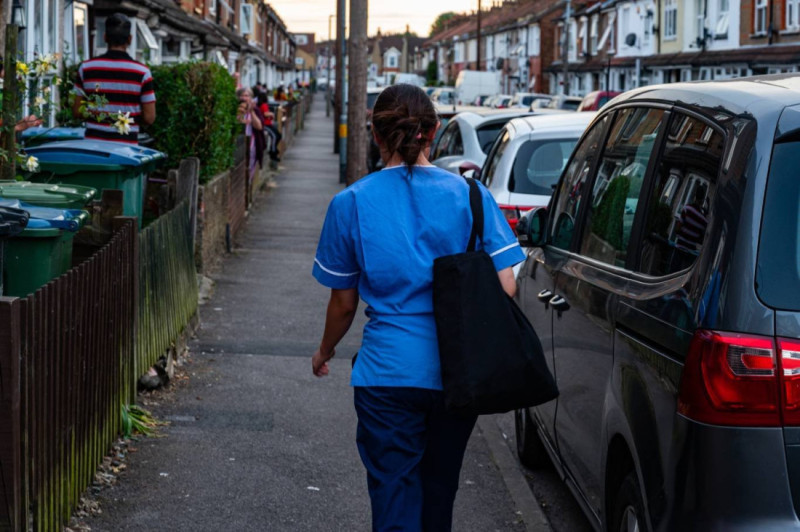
(39, 101)
(32, 164)
(46, 90)
(123, 123)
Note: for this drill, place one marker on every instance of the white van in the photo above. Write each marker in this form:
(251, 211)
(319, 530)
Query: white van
(472, 83)
(406, 77)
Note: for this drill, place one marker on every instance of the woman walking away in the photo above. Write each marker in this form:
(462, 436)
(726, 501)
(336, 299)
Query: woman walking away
(378, 242)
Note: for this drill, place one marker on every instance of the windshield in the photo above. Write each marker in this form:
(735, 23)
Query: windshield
(778, 277)
(487, 134)
(571, 105)
(539, 164)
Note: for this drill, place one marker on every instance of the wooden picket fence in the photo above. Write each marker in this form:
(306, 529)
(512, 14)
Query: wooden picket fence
(65, 363)
(70, 357)
(167, 284)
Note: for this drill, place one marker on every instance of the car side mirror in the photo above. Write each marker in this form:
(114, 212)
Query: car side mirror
(467, 166)
(532, 228)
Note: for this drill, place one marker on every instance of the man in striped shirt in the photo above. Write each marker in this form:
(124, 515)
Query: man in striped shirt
(123, 86)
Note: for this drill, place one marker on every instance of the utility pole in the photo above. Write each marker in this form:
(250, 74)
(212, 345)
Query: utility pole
(478, 65)
(567, 15)
(357, 92)
(341, 8)
(328, 58)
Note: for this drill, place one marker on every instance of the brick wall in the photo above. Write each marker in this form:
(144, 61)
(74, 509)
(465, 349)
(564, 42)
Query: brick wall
(212, 218)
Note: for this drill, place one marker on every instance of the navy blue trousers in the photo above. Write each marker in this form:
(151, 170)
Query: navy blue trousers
(412, 450)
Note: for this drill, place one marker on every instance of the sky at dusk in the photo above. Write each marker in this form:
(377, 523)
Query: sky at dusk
(391, 16)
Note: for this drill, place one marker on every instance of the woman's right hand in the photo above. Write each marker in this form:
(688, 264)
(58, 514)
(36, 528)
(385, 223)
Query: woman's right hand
(319, 362)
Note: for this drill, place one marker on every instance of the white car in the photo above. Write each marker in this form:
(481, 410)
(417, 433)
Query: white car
(524, 100)
(527, 158)
(467, 137)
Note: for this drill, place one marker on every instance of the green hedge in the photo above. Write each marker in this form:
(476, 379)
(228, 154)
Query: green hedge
(195, 115)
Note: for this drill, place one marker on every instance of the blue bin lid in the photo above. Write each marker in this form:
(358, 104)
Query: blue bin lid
(47, 217)
(52, 133)
(95, 152)
(12, 221)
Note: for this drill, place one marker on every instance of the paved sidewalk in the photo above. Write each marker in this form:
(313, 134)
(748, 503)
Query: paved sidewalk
(255, 441)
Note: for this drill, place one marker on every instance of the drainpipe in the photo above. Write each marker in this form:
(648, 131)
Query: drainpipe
(770, 28)
(658, 25)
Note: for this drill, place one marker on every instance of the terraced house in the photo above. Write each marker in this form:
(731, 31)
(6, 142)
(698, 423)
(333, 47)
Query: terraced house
(247, 37)
(618, 44)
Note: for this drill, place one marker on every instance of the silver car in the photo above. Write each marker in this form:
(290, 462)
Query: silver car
(467, 137)
(526, 160)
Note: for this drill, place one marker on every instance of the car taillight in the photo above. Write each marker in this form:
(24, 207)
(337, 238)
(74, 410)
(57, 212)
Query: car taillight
(789, 358)
(731, 379)
(512, 214)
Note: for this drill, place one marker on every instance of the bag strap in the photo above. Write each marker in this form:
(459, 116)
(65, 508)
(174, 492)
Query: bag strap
(476, 206)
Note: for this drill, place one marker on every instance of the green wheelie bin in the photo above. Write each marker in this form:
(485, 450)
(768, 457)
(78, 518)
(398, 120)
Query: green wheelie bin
(42, 251)
(48, 194)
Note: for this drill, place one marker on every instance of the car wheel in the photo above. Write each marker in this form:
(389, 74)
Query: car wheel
(628, 507)
(530, 449)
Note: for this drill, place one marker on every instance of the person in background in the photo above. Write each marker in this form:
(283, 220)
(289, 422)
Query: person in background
(123, 85)
(280, 94)
(270, 128)
(378, 243)
(250, 115)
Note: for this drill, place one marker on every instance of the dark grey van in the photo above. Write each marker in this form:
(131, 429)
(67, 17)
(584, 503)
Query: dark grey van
(664, 282)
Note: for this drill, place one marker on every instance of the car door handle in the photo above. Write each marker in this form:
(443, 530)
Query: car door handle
(544, 296)
(559, 303)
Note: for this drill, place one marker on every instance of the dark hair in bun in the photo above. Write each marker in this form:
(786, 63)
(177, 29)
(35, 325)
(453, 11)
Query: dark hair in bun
(403, 119)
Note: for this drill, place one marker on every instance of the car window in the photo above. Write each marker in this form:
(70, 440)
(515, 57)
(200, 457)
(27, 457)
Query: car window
(683, 185)
(493, 159)
(371, 98)
(539, 164)
(527, 100)
(779, 250)
(443, 145)
(572, 184)
(456, 146)
(487, 134)
(570, 105)
(615, 192)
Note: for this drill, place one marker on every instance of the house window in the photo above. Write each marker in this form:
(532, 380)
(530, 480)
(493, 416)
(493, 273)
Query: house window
(792, 18)
(392, 61)
(212, 6)
(670, 19)
(760, 18)
(582, 37)
(246, 20)
(608, 32)
(536, 41)
(723, 18)
(593, 35)
(700, 23)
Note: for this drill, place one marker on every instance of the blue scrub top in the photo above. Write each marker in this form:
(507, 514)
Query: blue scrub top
(381, 236)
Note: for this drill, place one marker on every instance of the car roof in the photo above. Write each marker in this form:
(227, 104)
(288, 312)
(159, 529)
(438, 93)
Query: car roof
(737, 95)
(375, 90)
(480, 117)
(552, 121)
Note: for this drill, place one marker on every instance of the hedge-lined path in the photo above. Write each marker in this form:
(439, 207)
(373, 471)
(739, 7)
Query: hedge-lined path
(255, 441)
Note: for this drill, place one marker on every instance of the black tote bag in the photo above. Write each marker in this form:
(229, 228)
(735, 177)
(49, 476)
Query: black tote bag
(491, 358)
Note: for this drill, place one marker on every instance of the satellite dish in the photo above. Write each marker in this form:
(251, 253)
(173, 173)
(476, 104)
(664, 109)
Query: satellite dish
(630, 39)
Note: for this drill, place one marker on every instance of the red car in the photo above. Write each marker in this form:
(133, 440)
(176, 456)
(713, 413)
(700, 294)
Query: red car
(596, 99)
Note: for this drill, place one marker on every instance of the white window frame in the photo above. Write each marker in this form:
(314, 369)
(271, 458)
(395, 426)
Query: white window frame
(212, 7)
(670, 20)
(700, 19)
(760, 17)
(535, 40)
(593, 34)
(247, 21)
(582, 34)
(607, 32)
(723, 19)
(793, 15)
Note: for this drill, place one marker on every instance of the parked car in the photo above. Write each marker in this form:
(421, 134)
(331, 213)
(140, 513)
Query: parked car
(444, 95)
(663, 280)
(596, 99)
(445, 113)
(502, 101)
(466, 139)
(541, 103)
(489, 100)
(479, 100)
(527, 157)
(429, 90)
(567, 103)
(524, 100)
